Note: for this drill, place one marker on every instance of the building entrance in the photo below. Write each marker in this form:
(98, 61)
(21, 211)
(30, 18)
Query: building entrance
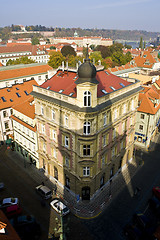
(86, 193)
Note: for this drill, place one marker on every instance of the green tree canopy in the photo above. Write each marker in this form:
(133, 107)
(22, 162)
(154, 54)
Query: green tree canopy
(52, 47)
(21, 60)
(105, 51)
(141, 43)
(68, 50)
(35, 41)
(56, 59)
(95, 56)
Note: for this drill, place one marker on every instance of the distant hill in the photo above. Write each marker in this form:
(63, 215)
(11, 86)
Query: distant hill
(113, 34)
(134, 35)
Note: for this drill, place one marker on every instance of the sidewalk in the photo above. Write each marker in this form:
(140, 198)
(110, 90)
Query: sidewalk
(81, 209)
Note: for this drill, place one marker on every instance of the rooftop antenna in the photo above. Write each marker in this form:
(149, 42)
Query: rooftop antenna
(87, 55)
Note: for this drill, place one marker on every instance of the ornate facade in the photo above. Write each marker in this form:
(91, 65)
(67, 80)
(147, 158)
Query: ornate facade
(85, 126)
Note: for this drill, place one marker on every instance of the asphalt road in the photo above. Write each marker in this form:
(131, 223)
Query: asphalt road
(108, 225)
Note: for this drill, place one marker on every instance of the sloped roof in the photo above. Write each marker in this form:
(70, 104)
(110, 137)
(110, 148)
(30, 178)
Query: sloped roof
(65, 81)
(147, 98)
(145, 59)
(18, 93)
(26, 107)
(26, 70)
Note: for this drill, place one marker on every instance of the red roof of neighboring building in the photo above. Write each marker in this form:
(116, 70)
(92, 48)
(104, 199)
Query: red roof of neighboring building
(66, 82)
(18, 93)
(148, 100)
(145, 59)
(26, 71)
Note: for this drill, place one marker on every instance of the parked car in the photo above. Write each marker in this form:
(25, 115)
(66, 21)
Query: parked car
(44, 191)
(154, 204)
(6, 202)
(156, 192)
(132, 232)
(59, 206)
(13, 211)
(1, 185)
(141, 221)
(27, 227)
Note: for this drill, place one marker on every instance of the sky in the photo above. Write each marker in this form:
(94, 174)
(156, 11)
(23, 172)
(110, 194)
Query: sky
(107, 14)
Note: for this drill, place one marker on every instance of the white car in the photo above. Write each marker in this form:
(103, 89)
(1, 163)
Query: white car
(59, 207)
(6, 202)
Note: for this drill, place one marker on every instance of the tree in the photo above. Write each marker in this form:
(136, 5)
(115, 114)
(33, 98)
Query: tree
(92, 47)
(105, 51)
(56, 59)
(68, 50)
(127, 46)
(118, 58)
(144, 46)
(52, 47)
(35, 41)
(128, 56)
(141, 43)
(96, 56)
(21, 60)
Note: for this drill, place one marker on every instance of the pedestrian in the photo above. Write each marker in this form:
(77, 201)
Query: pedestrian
(137, 190)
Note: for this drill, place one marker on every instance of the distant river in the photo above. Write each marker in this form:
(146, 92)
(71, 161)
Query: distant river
(134, 44)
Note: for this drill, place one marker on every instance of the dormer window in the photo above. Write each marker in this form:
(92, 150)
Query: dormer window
(87, 99)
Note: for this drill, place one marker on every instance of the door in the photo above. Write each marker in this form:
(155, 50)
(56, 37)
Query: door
(86, 193)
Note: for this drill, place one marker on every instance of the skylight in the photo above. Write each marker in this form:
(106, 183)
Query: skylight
(75, 77)
(60, 91)
(18, 95)
(8, 90)
(26, 93)
(104, 91)
(11, 100)
(122, 84)
(3, 98)
(59, 74)
(113, 88)
(17, 88)
(71, 94)
(48, 87)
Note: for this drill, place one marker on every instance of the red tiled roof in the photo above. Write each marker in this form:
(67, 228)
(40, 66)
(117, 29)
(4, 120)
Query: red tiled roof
(66, 82)
(9, 96)
(147, 98)
(26, 107)
(34, 129)
(20, 48)
(145, 57)
(26, 71)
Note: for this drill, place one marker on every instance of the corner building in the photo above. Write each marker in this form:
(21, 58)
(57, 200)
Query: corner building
(85, 123)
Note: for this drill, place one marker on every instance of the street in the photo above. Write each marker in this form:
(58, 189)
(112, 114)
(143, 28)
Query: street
(107, 226)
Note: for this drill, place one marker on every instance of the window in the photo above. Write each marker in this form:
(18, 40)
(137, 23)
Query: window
(111, 172)
(105, 119)
(54, 153)
(5, 114)
(43, 128)
(66, 120)
(115, 133)
(115, 114)
(55, 173)
(67, 161)
(18, 94)
(142, 116)
(53, 134)
(87, 99)
(44, 146)
(66, 141)
(86, 171)
(86, 128)
(67, 182)
(123, 144)
(103, 161)
(3, 98)
(53, 114)
(86, 150)
(11, 111)
(26, 93)
(42, 110)
(124, 108)
(132, 104)
(140, 127)
(39, 77)
(102, 181)
(104, 140)
(6, 125)
(114, 151)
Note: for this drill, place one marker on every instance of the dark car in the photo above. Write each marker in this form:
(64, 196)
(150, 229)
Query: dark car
(12, 211)
(154, 204)
(27, 227)
(156, 192)
(141, 221)
(132, 232)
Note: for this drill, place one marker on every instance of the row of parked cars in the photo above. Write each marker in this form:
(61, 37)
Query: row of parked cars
(146, 226)
(56, 204)
(25, 225)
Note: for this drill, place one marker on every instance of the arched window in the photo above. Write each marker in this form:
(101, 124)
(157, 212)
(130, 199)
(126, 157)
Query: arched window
(86, 128)
(87, 99)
